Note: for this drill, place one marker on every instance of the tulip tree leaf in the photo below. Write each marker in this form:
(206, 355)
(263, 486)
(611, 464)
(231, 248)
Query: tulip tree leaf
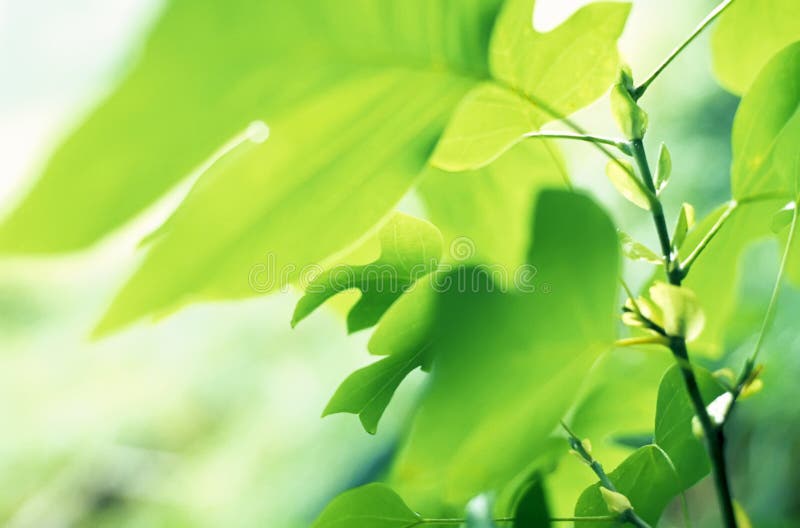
(536, 81)
(333, 165)
(543, 66)
(646, 478)
(490, 120)
(370, 506)
(410, 249)
(749, 33)
(485, 394)
(766, 131)
(368, 391)
(499, 198)
(673, 432)
(210, 68)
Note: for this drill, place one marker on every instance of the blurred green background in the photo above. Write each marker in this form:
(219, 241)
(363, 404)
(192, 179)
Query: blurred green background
(211, 417)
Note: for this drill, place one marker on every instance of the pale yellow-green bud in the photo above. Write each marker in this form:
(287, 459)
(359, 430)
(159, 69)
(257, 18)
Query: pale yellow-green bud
(616, 502)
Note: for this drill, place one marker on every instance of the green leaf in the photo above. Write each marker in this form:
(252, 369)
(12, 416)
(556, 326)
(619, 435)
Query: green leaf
(646, 478)
(499, 198)
(783, 218)
(531, 507)
(333, 166)
(536, 81)
(507, 365)
(637, 251)
(623, 177)
(487, 123)
(664, 168)
(686, 220)
(368, 391)
(673, 432)
(716, 275)
(370, 506)
(630, 118)
(766, 131)
(410, 249)
(543, 65)
(272, 60)
(748, 35)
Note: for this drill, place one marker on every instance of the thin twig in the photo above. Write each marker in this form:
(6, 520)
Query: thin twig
(726, 214)
(639, 91)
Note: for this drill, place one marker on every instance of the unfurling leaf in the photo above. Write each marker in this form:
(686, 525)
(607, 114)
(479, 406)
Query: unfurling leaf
(637, 251)
(630, 118)
(742, 519)
(686, 220)
(370, 506)
(680, 312)
(615, 501)
(664, 168)
(623, 177)
(751, 389)
(410, 249)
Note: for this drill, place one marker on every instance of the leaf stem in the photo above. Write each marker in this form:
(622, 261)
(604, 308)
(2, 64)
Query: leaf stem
(639, 91)
(770, 314)
(575, 443)
(621, 145)
(591, 518)
(715, 437)
(656, 209)
(687, 264)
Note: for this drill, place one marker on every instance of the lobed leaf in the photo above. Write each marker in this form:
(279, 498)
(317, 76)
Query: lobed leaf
(473, 207)
(485, 394)
(410, 249)
(535, 81)
(210, 68)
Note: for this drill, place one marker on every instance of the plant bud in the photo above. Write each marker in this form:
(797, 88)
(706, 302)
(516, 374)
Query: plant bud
(616, 502)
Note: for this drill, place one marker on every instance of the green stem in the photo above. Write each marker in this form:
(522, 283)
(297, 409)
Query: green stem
(642, 88)
(591, 518)
(773, 302)
(581, 137)
(714, 435)
(575, 443)
(657, 210)
(687, 264)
